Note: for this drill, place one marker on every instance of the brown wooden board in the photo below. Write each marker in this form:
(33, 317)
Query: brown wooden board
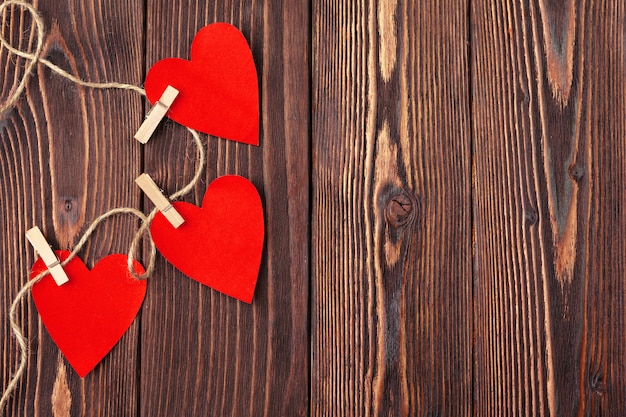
(443, 186)
(391, 226)
(203, 353)
(548, 85)
(67, 156)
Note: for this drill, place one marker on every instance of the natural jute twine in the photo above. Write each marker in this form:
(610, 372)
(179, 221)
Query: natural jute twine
(35, 58)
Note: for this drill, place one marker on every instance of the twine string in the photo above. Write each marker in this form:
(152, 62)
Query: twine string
(180, 193)
(33, 59)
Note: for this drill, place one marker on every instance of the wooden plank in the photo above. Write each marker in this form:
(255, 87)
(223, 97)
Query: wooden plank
(549, 103)
(391, 227)
(202, 352)
(67, 156)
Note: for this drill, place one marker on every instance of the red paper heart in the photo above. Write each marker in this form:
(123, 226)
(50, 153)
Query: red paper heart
(220, 244)
(88, 315)
(218, 88)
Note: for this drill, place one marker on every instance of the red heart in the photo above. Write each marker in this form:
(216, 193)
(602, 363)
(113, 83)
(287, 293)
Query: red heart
(88, 315)
(220, 244)
(218, 88)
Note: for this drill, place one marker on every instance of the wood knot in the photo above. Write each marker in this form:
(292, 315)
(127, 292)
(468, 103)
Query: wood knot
(597, 385)
(69, 205)
(69, 212)
(531, 216)
(400, 208)
(576, 172)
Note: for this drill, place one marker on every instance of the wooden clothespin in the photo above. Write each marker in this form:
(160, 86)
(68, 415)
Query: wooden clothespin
(156, 114)
(39, 242)
(145, 182)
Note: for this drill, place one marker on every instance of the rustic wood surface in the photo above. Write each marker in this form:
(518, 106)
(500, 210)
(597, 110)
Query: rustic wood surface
(225, 357)
(391, 231)
(443, 185)
(66, 158)
(549, 94)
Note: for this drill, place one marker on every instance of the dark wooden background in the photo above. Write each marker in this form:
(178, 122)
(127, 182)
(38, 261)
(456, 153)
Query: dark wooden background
(444, 191)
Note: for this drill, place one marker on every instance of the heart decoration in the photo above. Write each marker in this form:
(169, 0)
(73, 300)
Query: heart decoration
(218, 88)
(220, 243)
(88, 315)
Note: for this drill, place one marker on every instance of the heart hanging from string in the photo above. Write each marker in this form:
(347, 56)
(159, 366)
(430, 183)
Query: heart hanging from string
(218, 88)
(219, 244)
(89, 314)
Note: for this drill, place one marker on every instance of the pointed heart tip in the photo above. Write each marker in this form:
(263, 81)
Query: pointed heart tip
(83, 373)
(246, 300)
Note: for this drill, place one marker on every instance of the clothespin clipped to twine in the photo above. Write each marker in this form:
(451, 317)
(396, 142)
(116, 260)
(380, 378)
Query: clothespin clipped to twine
(156, 114)
(39, 242)
(149, 187)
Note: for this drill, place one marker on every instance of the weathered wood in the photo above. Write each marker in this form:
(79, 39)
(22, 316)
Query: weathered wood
(436, 130)
(203, 353)
(549, 137)
(61, 146)
(391, 227)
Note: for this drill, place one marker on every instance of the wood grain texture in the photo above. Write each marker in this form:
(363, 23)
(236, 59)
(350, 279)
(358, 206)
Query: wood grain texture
(456, 173)
(65, 158)
(549, 137)
(391, 226)
(203, 353)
